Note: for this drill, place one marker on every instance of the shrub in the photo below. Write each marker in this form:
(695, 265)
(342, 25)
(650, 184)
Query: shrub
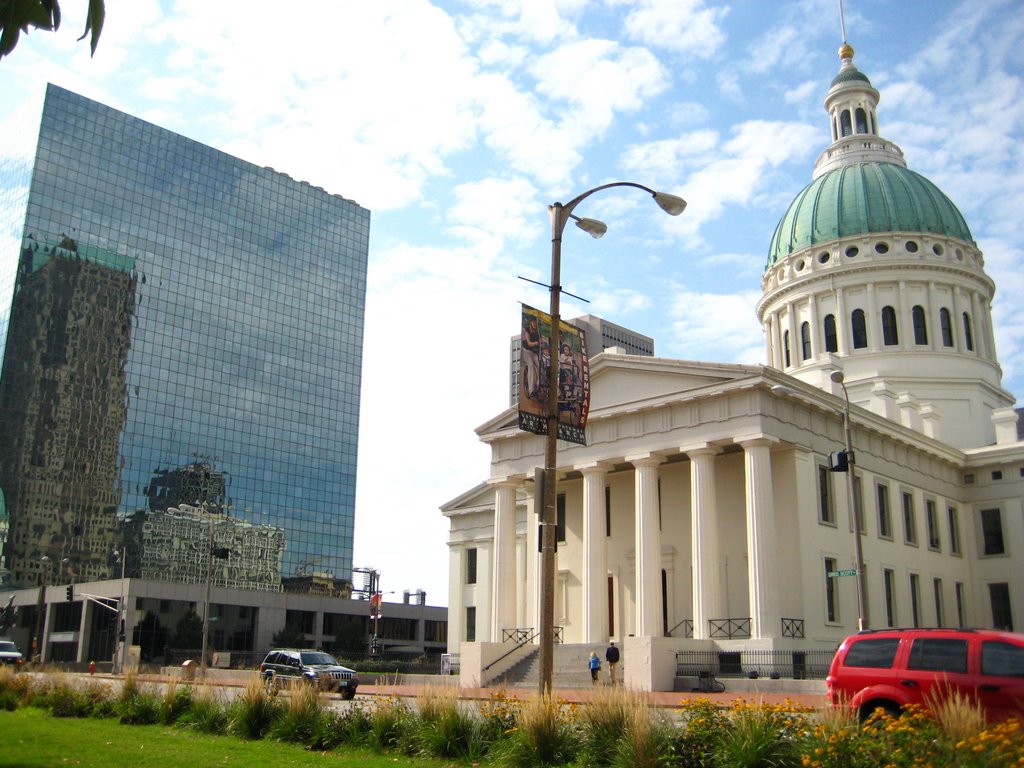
(543, 736)
(757, 736)
(958, 714)
(498, 716)
(353, 725)
(645, 742)
(67, 701)
(206, 713)
(9, 700)
(298, 720)
(391, 726)
(695, 745)
(255, 709)
(605, 720)
(328, 732)
(175, 702)
(446, 728)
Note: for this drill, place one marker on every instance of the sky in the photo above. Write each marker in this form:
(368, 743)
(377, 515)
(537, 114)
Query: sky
(458, 123)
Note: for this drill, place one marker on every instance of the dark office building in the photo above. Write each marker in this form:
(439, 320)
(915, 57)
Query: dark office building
(179, 328)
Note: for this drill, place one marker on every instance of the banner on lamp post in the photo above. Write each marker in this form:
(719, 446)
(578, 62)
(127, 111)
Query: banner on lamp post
(573, 378)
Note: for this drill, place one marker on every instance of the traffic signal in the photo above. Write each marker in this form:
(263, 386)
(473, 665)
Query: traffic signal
(839, 461)
(70, 591)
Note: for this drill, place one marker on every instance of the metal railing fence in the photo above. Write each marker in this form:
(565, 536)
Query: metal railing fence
(796, 665)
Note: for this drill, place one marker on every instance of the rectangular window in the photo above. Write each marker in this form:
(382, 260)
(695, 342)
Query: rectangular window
(873, 654)
(825, 512)
(560, 519)
(915, 599)
(607, 511)
(938, 655)
(961, 604)
(932, 521)
(909, 521)
(992, 532)
(884, 516)
(471, 624)
(471, 566)
(940, 612)
(831, 596)
(1002, 615)
(954, 530)
(889, 582)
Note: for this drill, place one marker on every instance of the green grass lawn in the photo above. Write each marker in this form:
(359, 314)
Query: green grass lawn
(31, 738)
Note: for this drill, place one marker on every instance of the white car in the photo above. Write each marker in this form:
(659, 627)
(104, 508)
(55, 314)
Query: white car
(9, 653)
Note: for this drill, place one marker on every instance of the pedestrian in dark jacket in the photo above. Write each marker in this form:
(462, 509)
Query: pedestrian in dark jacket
(612, 657)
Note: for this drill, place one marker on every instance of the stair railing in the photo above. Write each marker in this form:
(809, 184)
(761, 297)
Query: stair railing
(524, 638)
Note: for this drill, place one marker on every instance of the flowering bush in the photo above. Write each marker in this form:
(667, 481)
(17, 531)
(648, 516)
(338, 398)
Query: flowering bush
(615, 728)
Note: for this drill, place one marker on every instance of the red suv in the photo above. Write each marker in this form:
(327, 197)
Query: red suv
(892, 667)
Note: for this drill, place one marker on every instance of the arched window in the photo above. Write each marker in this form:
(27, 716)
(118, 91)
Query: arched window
(844, 123)
(805, 340)
(968, 334)
(946, 325)
(859, 328)
(831, 341)
(920, 325)
(862, 120)
(785, 348)
(890, 333)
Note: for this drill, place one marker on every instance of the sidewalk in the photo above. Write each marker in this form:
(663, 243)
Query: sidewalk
(666, 699)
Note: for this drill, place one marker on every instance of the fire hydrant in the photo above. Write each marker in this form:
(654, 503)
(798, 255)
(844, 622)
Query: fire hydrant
(92, 667)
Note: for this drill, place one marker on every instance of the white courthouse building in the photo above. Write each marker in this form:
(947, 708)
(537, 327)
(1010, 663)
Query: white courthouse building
(702, 515)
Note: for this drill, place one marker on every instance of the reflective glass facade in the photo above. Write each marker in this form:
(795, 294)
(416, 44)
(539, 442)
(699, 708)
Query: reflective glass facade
(182, 349)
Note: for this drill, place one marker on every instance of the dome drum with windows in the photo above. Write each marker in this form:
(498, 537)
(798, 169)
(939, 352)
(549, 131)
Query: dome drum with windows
(873, 269)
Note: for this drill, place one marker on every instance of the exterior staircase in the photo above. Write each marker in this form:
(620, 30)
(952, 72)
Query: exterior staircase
(570, 670)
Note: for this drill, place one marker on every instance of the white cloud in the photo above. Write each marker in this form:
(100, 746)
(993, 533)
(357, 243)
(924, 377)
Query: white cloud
(719, 327)
(685, 26)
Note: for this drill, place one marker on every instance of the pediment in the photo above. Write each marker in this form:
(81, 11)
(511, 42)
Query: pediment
(619, 380)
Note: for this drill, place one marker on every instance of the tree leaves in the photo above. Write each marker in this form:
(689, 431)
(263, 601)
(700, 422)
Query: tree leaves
(17, 16)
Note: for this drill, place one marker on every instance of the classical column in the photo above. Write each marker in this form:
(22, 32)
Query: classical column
(648, 546)
(794, 337)
(707, 593)
(905, 322)
(503, 581)
(959, 335)
(874, 324)
(760, 538)
(843, 341)
(812, 311)
(595, 554)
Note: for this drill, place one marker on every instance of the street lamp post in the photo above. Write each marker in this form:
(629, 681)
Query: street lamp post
(122, 613)
(855, 503)
(560, 215)
(37, 638)
(206, 608)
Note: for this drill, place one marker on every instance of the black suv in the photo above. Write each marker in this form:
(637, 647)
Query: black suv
(313, 667)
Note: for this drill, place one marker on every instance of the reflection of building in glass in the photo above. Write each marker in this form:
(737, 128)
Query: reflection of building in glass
(197, 312)
(196, 483)
(63, 404)
(175, 545)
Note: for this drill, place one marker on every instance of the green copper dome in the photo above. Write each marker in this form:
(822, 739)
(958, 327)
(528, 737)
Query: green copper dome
(865, 198)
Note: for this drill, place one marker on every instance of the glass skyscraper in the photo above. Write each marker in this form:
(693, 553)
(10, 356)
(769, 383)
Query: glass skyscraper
(182, 347)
